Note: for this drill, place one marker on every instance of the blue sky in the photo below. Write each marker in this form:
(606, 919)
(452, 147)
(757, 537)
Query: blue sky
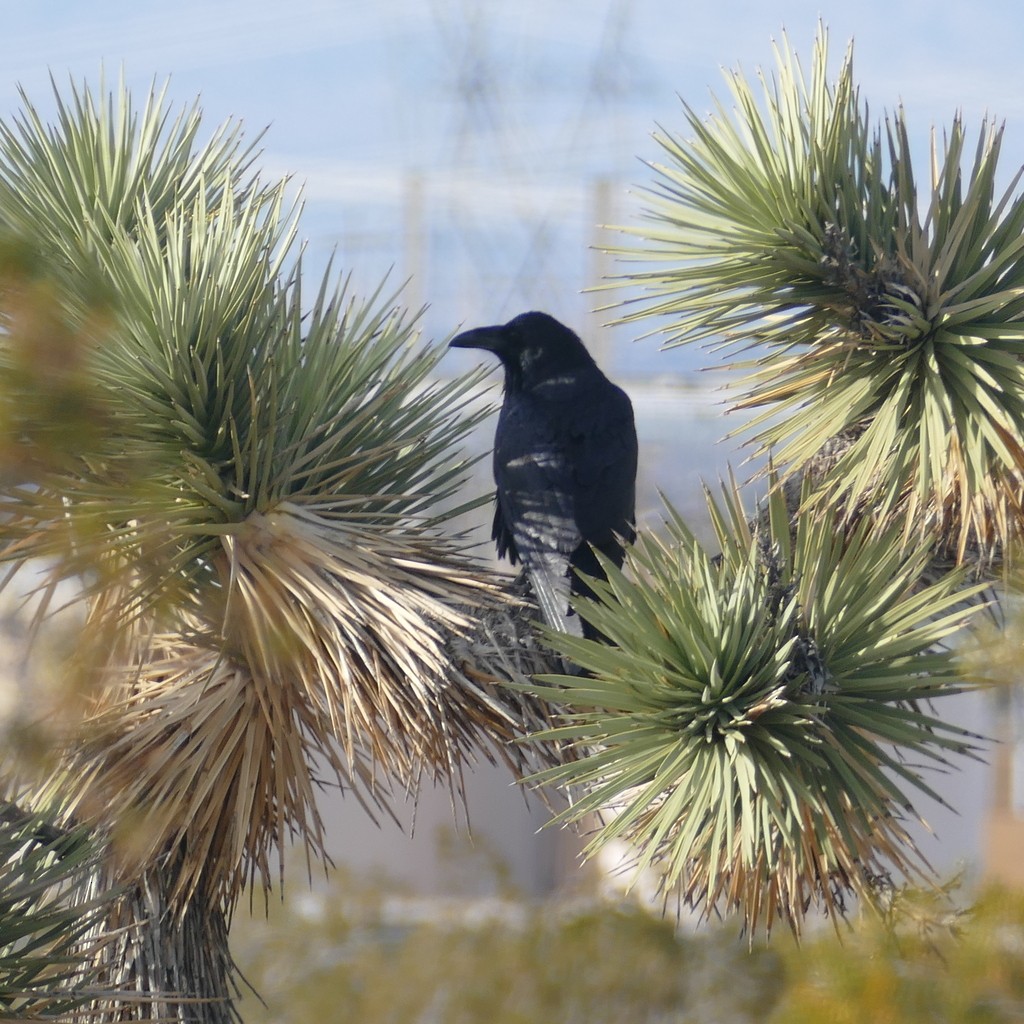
(307, 65)
(366, 101)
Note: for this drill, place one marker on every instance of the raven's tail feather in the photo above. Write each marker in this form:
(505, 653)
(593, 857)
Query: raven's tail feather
(552, 586)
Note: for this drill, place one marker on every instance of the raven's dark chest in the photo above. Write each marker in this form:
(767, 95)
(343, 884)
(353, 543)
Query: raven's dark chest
(565, 458)
(541, 428)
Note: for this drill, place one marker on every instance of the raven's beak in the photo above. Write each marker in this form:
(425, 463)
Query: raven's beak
(490, 339)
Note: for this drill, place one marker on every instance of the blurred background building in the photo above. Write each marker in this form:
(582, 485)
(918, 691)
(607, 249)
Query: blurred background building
(1003, 838)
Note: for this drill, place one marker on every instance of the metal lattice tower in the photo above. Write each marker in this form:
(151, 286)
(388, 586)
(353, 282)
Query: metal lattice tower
(526, 242)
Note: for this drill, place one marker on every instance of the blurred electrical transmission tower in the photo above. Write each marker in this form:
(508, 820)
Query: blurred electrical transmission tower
(533, 163)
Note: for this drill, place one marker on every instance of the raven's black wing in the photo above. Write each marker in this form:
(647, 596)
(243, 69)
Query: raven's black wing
(565, 466)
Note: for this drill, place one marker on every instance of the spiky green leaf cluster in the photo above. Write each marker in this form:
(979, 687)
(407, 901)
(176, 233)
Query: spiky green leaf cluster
(794, 231)
(227, 391)
(261, 511)
(755, 728)
(44, 956)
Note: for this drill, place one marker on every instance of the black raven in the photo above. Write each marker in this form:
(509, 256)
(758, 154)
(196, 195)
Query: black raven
(565, 458)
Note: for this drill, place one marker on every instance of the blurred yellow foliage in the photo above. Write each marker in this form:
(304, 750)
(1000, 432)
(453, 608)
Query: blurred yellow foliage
(967, 968)
(357, 951)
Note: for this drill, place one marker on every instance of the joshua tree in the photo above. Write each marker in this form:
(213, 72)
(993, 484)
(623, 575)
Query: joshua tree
(751, 721)
(242, 484)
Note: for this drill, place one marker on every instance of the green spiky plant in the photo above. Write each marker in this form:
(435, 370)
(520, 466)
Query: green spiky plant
(756, 729)
(752, 729)
(44, 974)
(254, 533)
(875, 314)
